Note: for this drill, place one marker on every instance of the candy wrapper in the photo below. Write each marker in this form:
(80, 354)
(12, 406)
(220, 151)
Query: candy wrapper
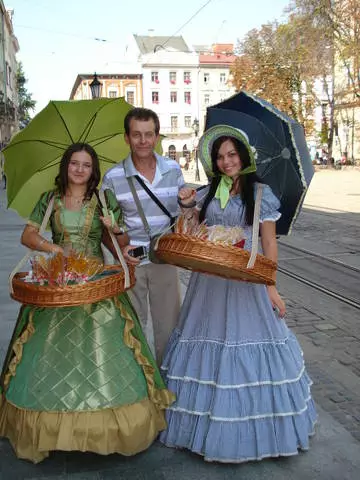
(219, 234)
(226, 235)
(60, 269)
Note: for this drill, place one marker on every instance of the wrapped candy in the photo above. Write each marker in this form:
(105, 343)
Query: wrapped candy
(60, 269)
(219, 234)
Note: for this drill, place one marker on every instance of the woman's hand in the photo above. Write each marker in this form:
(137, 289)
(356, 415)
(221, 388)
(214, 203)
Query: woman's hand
(276, 300)
(55, 248)
(108, 222)
(187, 195)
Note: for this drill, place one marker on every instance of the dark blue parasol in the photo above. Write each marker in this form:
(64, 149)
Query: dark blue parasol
(283, 160)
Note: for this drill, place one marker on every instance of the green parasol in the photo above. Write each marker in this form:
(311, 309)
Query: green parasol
(32, 157)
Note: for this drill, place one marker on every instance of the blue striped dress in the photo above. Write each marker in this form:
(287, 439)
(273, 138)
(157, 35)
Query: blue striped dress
(236, 369)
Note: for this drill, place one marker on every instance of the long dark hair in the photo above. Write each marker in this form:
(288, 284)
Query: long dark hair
(246, 182)
(62, 181)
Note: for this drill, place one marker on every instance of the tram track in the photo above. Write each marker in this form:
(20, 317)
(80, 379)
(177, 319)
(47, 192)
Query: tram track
(329, 276)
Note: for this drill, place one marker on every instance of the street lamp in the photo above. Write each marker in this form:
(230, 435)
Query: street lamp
(195, 127)
(95, 87)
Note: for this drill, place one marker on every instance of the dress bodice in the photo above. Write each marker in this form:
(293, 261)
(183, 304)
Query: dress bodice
(81, 230)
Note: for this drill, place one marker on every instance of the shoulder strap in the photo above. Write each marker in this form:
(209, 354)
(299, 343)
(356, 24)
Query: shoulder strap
(30, 252)
(153, 197)
(102, 201)
(255, 229)
(139, 206)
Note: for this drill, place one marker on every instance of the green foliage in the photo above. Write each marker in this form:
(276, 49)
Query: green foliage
(26, 103)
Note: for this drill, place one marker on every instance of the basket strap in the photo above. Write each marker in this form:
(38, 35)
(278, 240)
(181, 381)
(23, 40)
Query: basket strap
(116, 245)
(255, 229)
(30, 252)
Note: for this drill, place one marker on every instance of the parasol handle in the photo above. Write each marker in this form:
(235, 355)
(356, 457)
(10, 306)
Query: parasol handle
(30, 252)
(255, 229)
(116, 245)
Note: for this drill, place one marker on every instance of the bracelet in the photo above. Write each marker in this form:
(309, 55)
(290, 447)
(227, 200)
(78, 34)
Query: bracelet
(187, 205)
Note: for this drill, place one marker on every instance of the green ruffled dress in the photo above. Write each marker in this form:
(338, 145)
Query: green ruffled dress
(80, 378)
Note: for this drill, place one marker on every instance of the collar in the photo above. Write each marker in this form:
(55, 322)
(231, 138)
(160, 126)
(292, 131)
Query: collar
(161, 163)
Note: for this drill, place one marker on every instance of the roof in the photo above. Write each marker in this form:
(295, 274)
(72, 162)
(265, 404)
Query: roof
(103, 76)
(223, 47)
(149, 43)
(202, 48)
(216, 59)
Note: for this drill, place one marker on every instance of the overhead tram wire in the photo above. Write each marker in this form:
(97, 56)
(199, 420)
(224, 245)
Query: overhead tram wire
(182, 26)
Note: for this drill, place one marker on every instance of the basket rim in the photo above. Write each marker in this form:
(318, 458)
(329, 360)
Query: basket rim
(240, 252)
(17, 280)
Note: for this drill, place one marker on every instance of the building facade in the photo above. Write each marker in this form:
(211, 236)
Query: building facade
(171, 86)
(9, 101)
(113, 85)
(215, 83)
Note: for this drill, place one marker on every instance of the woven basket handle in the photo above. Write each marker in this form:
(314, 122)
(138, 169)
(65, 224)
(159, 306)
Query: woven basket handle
(116, 245)
(255, 229)
(30, 252)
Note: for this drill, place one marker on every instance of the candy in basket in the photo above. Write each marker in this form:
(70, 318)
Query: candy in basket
(69, 280)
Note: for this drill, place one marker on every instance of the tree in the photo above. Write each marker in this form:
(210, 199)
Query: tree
(289, 65)
(259, 68)
(26, 103)
(339, 21)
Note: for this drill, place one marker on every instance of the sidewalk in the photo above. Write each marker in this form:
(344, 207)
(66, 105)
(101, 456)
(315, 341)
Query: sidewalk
(334, 452)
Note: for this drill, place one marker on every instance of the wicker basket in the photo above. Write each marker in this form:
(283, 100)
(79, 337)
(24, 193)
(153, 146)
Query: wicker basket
(71, 295)
(207, 257)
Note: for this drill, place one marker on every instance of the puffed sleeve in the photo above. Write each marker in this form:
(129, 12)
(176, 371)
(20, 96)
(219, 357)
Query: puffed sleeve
(269, 210)
(113, 205)
(37, 215)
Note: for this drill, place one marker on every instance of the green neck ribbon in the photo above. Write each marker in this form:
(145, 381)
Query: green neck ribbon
(223, 190)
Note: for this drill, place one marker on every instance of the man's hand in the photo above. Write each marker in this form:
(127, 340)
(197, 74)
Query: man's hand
(128, 258)
(187, 195)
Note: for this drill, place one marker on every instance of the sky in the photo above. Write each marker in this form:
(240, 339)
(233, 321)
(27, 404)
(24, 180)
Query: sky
(59, 39)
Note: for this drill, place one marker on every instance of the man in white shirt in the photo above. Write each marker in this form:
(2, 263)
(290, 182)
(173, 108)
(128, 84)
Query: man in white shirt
(157, 285)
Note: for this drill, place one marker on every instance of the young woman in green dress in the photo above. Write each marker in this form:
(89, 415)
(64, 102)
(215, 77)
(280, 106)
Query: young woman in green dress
(79, 378)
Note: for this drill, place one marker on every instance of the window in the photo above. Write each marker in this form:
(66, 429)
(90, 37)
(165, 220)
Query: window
(206, 99)
(172, 77)
(187, 121)
(206, 77)
(187, 97)
(155, 77)
(155, 97)
(112, 94)
(130, 97)
(187, 77)
(174, 123)
(173, 97)
(222, 77)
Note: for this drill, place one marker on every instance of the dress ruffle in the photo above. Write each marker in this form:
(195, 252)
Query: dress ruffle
(260, 407)
(127, 430)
